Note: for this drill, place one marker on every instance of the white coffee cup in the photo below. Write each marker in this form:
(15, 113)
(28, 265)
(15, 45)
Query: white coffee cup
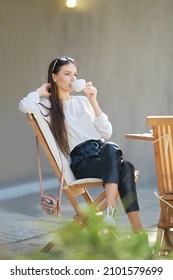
(78, 85)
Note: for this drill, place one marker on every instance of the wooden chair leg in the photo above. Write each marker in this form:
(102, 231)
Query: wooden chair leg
(48, 247)
(168, 237)
(52, 243)
(160, 237)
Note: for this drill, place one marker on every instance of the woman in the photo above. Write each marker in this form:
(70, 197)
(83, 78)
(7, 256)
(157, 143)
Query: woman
(80, 128)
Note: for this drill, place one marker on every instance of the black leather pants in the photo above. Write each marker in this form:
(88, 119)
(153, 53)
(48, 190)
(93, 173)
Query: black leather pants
(95, 159)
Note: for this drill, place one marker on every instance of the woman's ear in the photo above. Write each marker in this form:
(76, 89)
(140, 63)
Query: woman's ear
(54, 77)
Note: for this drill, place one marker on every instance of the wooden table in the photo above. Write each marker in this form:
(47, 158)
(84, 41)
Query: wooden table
(163, 127)
(142, 136)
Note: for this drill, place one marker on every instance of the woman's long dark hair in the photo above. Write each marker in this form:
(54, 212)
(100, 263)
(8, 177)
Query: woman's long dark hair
(57, 124)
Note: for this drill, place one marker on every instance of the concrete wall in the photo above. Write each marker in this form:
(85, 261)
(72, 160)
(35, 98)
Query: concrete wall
(124, 46)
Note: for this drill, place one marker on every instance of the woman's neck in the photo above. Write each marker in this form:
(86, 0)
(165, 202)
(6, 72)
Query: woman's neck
(64, 96)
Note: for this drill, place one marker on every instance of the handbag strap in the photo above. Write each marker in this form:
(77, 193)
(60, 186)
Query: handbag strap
(58, 206)
(39, 166)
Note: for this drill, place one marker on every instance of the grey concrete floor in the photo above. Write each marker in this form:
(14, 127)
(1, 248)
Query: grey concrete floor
(24, 226)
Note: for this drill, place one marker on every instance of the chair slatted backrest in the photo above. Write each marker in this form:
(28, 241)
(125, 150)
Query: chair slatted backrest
(46, 139)
(163, 146)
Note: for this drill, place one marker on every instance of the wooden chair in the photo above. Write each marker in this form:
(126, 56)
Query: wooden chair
(71, 187)
(162, 127)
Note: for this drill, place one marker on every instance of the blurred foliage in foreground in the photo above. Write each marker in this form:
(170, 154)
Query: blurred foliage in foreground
(98, 242)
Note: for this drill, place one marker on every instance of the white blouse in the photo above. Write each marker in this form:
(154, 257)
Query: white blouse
(82, 124)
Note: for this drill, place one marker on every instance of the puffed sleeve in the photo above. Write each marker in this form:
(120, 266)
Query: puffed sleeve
(32, 103)
(101, 123)
(103, 126)
(29, 104)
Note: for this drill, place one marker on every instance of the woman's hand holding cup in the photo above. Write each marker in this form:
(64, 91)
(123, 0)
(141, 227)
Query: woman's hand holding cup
(90, 91)
(88, 88)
